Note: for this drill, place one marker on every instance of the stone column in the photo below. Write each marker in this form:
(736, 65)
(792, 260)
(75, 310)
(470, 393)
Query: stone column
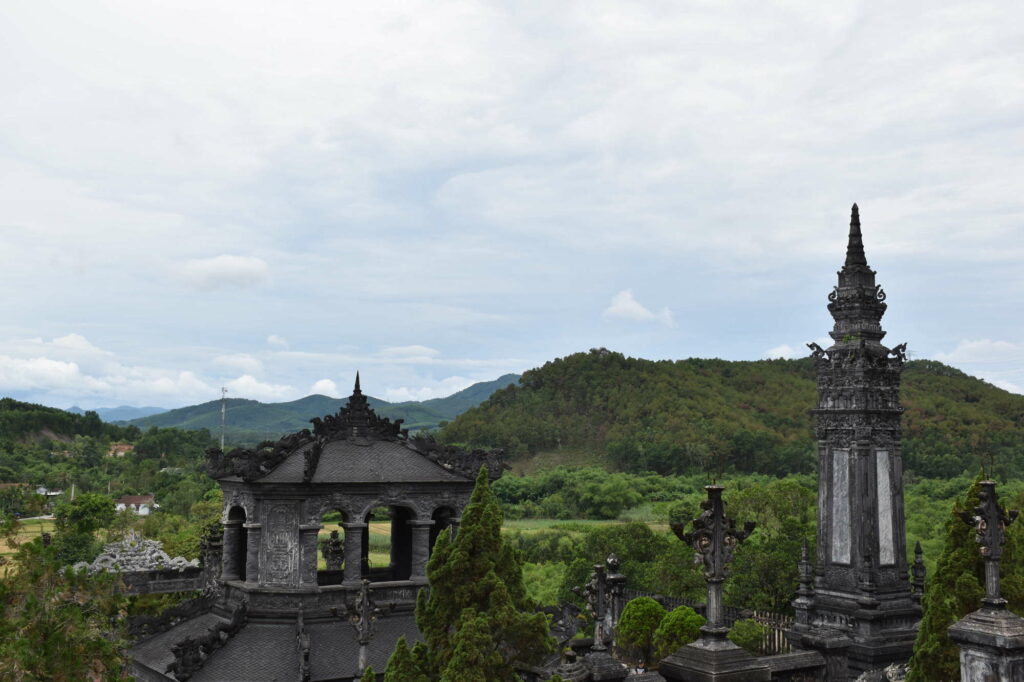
(454, 525)
(353, 553)
(420, 549)
(232, 539)
(713, 658)
(308, 534)
(252, 547)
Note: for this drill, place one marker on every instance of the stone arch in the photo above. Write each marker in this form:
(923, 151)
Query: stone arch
(443, 516)
(402, 515)
(235, 543)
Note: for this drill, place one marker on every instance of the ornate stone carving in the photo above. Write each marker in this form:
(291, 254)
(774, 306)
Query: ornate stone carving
(191, 652)
(334, 552)
(134, 553)
(281, 544)
(990, 521)
(253, 464)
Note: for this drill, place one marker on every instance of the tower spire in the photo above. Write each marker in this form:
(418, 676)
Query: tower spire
(356, 390)
(855, 246)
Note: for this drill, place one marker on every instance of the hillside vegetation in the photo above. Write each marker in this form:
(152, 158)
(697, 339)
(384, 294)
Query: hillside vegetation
(249, 421)
(694, 415)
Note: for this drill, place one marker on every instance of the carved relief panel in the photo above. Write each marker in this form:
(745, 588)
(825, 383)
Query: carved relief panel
(281, 544)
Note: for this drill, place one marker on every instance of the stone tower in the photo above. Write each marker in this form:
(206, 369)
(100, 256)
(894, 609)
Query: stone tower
(861, 599)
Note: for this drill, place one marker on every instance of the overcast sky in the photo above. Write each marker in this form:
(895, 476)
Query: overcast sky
(270, 196)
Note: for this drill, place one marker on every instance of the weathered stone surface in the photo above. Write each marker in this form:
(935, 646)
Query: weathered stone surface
(135, 554)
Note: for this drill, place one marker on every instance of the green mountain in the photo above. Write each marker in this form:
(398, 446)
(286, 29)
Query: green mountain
(25, 422)
(696, 415)
(248, 421)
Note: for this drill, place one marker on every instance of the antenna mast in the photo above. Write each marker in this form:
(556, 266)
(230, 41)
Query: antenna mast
(223, 411)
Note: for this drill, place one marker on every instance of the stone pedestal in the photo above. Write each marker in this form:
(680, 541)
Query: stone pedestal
(991, 645)
(714, 659)
(834, 648)
(603, 667)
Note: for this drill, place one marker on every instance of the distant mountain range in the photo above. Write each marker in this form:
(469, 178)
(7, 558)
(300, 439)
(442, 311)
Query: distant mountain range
(119, 414)
(248, 421)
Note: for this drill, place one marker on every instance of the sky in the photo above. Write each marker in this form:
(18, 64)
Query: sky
(269, 197)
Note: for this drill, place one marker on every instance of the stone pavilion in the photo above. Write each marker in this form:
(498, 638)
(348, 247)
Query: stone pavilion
(272, 615)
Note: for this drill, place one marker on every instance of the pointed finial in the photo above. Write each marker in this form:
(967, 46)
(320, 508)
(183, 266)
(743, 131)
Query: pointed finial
(803, 550)
(356, 389)
(855, 246)
(917, 549)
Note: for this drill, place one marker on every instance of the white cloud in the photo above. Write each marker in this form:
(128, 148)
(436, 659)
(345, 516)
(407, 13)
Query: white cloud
(434, 389)
(982, 351)
(71, 368)
(240, 361)
(784, 351)
(1007, 386)
(625, 306)
(407, 351)
(247, 386)
(325, 387)
(209, 274)
(278, 341)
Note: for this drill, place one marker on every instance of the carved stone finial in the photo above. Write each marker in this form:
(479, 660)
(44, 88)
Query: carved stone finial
(855, 247)
(356, 390)
(990, 521)
(714, 539)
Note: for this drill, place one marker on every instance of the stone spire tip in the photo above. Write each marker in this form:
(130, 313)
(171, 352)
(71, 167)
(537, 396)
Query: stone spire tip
(356, 390)
(855, 246)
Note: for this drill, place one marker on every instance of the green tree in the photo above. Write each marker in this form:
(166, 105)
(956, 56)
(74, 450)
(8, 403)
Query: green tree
(679, 627)
(956, 589)
(747, 633)
(637, 625)
(368, 675)
(476, 585)
(59, 626)
(86, 514)
(404, 665)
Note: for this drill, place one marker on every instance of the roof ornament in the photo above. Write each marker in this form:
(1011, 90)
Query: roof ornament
(855, 246)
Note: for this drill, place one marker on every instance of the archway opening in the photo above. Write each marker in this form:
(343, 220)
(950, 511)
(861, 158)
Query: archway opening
(387, 544)
(235, 545)
(330, 561)
(443, 518)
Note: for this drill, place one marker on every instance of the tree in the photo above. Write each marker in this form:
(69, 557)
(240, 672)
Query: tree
(59, 626)
(679, 627)
(477, 608)
(403, 666)
(368, 675)
(84, 515)
(749, 634)
(956, 589)
(635, 633)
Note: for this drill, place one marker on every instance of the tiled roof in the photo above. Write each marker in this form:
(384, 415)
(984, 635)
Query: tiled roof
(372, 461)
(269, 652)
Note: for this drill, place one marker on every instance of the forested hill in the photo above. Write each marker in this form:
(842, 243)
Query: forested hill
(250, 420)
(690, 415)
(26, 422)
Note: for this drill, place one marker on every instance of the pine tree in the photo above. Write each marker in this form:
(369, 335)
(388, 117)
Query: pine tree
(403, 665)
(477, 612)
(956, 589)
(368, 675)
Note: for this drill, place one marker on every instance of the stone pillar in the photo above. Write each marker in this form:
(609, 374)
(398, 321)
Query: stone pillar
(454, 525)
(253, 532)
(420, 549)
(713, 658)
(354, 553)
(233, 534)
(308, 534)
